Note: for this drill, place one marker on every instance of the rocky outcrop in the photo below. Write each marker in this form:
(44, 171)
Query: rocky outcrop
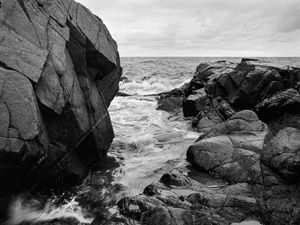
(59, 71)
(247, 115)
(219, 89)
(178, 199)
(252, 176)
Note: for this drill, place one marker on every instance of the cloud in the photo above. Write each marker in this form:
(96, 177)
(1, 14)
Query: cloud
(202, 27)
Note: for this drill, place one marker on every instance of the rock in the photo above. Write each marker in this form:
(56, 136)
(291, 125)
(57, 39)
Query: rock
(172, 100)
(248, 222)
(277, 105)
(175, 179)
(254, 176)
(237, 87)
(194, 103)
(167, 216)
(231, 149)
(282, 154)
(180, 200)
(214, 112)
(59, 71)
(122, 94)
(244, 86)
(124, 79)
(206, 73)
(287, 120)
(169, 104)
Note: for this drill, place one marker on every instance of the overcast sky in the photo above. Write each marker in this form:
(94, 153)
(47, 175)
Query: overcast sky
(202, 27)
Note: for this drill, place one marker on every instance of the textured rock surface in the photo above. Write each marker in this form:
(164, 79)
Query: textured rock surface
(59, 70)
(231, 149)
(248, 118)
(282, 154)
(219, 89)
(181, 200)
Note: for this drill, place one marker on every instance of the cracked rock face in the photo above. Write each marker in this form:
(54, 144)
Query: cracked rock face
(59, 71)
(247, 115)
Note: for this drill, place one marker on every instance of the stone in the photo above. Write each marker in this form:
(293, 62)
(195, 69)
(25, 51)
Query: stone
(194, 103)
(231, 149)
(59, 71)
(279, 104)
(282, 154)
(170, 104)
(167, 216)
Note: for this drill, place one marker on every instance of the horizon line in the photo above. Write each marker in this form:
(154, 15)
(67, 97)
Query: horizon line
(210, 56)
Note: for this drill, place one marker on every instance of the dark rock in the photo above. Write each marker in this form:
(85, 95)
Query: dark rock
(168, 216)
(279, 104)
(194, 103)
(169, 104)
(151, 190)
(175, 178)
(59, 70)
(214, 112)
(172, 100)
(185, 201)
(243, 86)
(122, 94)
(124, 79)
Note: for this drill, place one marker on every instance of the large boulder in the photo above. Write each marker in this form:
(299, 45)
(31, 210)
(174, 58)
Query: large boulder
(282, 154)
(231, 149)
(59, 71)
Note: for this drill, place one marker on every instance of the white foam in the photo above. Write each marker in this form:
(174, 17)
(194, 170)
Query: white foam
(21, 211)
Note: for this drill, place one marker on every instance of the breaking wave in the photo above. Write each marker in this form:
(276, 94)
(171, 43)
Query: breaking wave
(32, 211)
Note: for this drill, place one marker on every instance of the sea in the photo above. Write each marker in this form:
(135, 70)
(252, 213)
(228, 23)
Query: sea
(148, 142)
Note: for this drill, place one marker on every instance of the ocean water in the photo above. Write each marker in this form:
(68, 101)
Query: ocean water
(147, 142)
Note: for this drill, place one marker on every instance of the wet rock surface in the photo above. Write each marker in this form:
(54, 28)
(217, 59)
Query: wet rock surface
(247, 115)
(59, 71)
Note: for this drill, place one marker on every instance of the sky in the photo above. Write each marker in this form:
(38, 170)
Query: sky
(202, 27)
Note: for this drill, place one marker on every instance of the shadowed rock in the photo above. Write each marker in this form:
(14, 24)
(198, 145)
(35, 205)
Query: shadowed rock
(59, 71)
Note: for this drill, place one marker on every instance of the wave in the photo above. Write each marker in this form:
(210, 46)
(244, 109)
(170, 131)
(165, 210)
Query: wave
(30, 211)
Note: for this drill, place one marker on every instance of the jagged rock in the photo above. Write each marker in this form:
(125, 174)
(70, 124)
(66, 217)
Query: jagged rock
(206, 73)
(237, 86)
(282, 154)
(59, 70)
(189, 202)
(277, 105)
(194, 103)
(214, 112)
(243, 86)
(172, 101)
